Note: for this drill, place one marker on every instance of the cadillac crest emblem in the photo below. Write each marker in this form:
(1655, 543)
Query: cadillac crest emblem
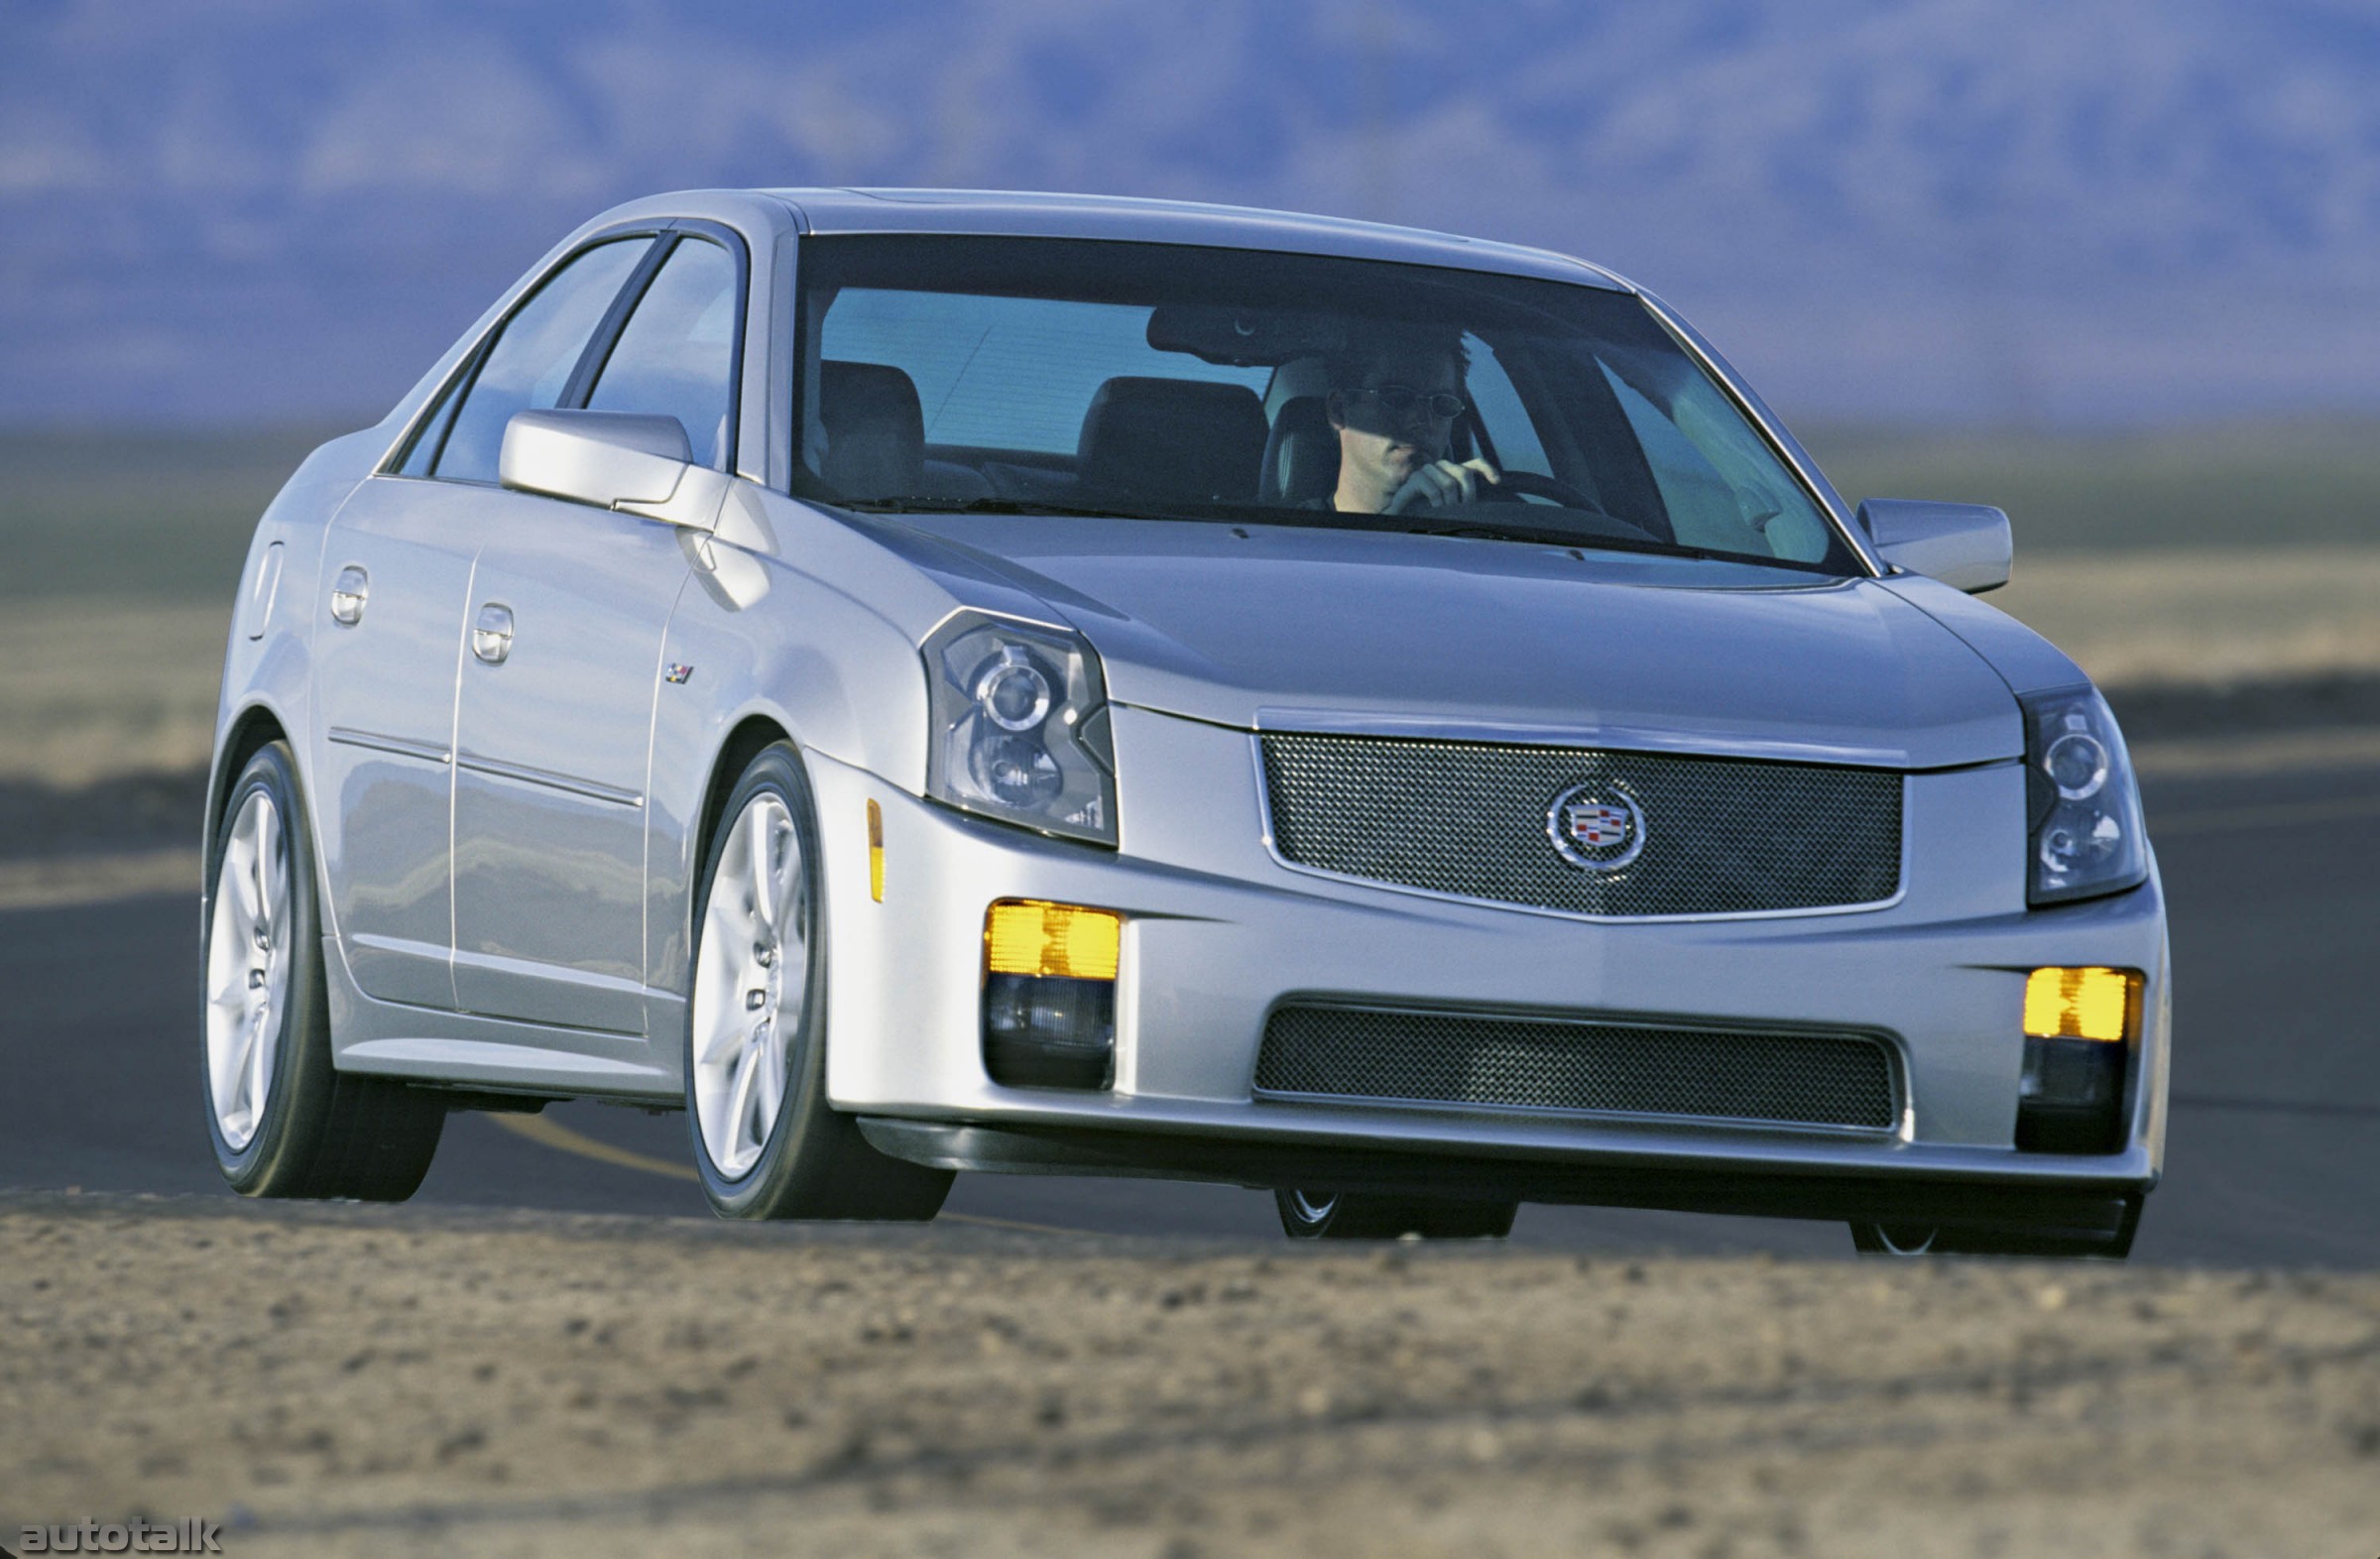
(1596, 828)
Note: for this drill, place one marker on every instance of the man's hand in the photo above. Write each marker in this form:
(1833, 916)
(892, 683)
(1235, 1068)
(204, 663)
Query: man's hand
(1443, 482)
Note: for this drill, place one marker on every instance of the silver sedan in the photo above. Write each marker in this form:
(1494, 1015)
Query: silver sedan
(932, 681)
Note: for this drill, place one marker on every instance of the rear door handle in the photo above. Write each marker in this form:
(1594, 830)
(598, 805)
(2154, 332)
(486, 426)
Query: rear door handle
(492, 635)
(348, 593)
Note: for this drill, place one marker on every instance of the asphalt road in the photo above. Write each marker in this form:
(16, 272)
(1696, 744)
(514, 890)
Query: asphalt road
(2273, 1157)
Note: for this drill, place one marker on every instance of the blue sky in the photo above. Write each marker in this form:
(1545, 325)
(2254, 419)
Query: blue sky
(1959, 211)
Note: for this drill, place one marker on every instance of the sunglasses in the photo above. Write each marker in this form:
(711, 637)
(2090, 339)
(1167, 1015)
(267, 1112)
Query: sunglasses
(1397, 399)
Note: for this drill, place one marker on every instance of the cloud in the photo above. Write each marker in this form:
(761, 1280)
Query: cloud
(44, 151)
(458, 113)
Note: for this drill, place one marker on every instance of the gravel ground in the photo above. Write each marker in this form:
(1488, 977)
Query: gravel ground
(359, 1380)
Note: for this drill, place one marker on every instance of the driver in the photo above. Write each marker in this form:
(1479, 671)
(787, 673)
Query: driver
(1394, 397)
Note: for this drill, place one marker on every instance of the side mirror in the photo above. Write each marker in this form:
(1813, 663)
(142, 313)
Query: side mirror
(605, 458)
(1966, 547)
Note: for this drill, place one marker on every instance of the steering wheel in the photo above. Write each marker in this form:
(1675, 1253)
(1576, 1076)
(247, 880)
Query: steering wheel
(1529, 484)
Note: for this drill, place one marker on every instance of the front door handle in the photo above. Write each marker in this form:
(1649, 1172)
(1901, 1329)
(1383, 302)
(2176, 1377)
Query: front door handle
(492, 635)
(348, 593)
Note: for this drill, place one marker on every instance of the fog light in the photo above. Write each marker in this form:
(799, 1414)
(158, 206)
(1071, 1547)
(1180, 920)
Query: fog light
(1049, 994)
(2078, 1029)
(1025, 936)
(2082, 1003)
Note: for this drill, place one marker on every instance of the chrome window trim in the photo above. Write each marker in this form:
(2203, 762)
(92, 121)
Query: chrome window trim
(663, 235)
(1255, 752)
(606, 340)
(466, 363)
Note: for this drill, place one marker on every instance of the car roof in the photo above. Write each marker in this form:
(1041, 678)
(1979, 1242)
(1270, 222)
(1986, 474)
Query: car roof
(1024, 215)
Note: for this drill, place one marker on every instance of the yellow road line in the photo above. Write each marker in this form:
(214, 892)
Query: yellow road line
(554, 1134)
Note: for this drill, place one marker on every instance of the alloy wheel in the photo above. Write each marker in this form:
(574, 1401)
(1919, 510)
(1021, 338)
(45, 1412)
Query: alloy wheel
(751, 986)
(247, 969)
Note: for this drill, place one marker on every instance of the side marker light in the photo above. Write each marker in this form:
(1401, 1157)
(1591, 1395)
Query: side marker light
(876, 852)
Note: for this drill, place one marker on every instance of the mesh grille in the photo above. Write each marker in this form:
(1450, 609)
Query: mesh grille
(1721, 836)
(1833, 1080)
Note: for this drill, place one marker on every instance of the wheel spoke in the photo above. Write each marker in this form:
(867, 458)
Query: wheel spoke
(227, 975)
(785, 886)
(239, 876)
(724, 1037)
(769, 1092)
(739, 1098)
(719, 1136)
(227, 1067)
(258, 1058)
(270, 875)
(757, 865)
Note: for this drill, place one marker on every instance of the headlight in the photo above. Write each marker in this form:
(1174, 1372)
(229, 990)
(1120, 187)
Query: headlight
(1021, 726)
(2086, 833)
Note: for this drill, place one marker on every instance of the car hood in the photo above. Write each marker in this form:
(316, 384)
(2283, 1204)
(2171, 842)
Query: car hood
(1297, 628)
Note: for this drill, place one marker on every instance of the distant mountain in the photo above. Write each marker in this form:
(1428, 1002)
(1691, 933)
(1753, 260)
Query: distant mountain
(2102, 210)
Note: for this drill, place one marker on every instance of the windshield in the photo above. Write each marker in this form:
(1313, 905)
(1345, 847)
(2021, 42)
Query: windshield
(1165, 382)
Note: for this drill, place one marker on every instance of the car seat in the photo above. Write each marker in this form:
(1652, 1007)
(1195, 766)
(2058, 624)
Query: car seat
(1178, 439)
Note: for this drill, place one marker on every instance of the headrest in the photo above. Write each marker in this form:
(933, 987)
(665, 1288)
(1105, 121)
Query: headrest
(874, 431)
(1181, 438)
(1301, 458)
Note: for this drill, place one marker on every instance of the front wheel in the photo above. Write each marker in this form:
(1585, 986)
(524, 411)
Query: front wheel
(1352, 1215)
(767, 1144)
(284, 1120)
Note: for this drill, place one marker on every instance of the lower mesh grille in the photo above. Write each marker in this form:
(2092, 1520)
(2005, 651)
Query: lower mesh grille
(1826, 1080)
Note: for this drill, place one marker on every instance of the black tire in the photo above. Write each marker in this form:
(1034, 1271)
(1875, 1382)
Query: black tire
(319, 1132)
(2017, 1240)
(1352, 1215)
(813, 1163)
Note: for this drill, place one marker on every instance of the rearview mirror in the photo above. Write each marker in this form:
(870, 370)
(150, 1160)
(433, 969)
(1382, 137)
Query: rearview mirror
(1966, 547)
(605, 458)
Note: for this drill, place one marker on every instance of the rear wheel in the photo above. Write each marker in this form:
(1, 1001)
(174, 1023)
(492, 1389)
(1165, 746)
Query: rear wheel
(766, 1141)
(284, 1120)
(2019, 1240)
(1894, 1239)
(1352, 1215)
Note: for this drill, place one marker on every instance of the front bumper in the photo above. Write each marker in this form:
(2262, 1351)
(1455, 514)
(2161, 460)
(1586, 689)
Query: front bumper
(1219, 932)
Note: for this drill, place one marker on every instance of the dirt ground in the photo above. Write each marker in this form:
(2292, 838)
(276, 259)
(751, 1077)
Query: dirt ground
(416, 1382)
(368, 1382)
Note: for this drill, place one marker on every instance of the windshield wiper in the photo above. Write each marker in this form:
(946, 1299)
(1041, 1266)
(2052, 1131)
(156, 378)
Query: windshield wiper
(920, 504)
(1589, 540)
